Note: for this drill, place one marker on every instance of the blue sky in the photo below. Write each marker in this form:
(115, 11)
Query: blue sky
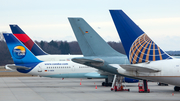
(47, 19)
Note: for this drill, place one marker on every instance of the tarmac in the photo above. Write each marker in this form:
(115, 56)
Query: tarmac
(69, 89)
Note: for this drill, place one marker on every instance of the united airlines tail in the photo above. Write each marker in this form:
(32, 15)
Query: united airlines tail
(24, 38)
(24, 60)
(138, 46)
(90, 42)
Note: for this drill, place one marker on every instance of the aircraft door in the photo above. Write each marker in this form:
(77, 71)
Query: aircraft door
(39, 68)
(73, 67)
(177, 69)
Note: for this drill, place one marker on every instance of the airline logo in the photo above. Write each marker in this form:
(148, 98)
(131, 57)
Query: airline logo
(19, 52)
(144, 49)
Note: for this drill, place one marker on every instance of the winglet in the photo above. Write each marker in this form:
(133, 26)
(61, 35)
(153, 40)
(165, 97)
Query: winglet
(138, 46)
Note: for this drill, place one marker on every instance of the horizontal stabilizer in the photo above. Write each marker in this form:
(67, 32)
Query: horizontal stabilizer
(139, 68)
(95, 62)
(15, 67)
(84, 60)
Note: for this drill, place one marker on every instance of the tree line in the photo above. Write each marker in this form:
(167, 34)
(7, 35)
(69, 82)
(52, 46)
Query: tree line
(53, 47)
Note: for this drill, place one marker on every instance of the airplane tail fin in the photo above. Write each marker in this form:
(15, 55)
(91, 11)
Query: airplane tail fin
(138, 46)
(24, 38)
(90, 42)
(20, 54)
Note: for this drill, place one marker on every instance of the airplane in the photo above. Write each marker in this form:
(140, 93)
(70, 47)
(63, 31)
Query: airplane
(147, 60)
(35, 49)
(26, 62)
(41, 55)
(97, 53)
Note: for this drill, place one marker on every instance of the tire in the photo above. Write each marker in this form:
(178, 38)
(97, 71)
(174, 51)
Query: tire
(103, 83)
(110, 84)
(176, 88)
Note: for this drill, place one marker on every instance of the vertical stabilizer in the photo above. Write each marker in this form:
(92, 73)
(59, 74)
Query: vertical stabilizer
(138, 46)
(90, 42)
(19, 53)
(24, 38)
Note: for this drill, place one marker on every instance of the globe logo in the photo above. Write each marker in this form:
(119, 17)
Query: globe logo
(19, 52)
(144, 49)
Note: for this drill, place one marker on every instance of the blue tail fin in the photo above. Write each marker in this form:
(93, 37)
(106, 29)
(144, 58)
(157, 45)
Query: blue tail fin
(20, 54)
(24, 38)
(138, 46)
(90, 42)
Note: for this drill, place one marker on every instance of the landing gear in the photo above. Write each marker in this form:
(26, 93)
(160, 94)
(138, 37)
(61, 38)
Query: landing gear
(117, 84)
(162, 84)
(176, 88)
(106, 84)
(108, 81)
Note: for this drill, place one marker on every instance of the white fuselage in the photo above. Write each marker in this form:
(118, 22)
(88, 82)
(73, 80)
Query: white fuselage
(61, 66)
(62, 69)
(57, 57)
(169, 71)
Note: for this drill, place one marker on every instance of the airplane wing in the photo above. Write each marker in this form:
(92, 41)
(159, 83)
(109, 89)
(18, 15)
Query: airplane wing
(14, 67)
(139, 68)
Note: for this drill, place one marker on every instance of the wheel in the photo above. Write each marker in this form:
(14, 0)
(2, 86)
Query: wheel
(162, 84)
(109, 84)
(176, 88)
(106, 84)
(103, 83)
